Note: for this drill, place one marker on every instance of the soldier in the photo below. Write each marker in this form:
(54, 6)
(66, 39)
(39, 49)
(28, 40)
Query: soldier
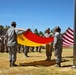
(26, 50)
(49, 46)
(2, 43)
(32, 48)
(58, 46)
(11, 34)
(5, 44)
(19, 48)
(38, 49)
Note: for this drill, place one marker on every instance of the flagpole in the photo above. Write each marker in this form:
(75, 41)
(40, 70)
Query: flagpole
(74, 45)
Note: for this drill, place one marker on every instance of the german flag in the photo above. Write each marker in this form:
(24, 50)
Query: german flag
(30, 39)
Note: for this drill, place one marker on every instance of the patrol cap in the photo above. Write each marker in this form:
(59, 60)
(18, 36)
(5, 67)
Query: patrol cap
(48, 30)
(13, 23)
(57, 28)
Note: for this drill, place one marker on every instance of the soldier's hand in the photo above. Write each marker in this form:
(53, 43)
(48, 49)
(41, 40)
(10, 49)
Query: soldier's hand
(54, 48)
(28, 29)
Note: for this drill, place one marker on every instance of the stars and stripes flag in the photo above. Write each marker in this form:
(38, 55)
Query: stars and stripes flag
(68, 37)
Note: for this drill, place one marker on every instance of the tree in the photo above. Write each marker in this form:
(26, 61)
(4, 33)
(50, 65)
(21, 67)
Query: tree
(41, 33)
(5, 29)
(36, 31)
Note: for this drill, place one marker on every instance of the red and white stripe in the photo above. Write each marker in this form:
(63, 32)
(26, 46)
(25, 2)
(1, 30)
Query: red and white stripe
(68, 37)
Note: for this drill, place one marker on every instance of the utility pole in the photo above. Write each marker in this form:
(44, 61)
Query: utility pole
(74, 45)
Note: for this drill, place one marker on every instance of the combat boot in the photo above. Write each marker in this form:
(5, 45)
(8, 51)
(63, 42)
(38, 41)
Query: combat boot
(58, 65)
(13, 64)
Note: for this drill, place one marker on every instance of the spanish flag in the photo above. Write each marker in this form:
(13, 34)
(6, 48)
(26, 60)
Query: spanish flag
(30, 39)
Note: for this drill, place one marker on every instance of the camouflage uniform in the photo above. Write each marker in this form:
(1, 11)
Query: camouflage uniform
(12, 43)
(5, 44)
(58, 47)
(19, 48)
(1, 44)
(26, 50)
(38, 48)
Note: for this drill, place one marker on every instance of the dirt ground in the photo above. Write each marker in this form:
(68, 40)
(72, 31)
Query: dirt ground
(35, 64)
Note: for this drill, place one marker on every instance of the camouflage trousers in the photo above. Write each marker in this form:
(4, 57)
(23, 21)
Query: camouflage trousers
(12, 53)
(58, 54)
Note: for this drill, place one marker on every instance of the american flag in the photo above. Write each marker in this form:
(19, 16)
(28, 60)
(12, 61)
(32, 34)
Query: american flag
(68, 37)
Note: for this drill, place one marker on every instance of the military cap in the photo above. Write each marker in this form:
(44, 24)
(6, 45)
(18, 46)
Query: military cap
(13, 23)
(57, 28)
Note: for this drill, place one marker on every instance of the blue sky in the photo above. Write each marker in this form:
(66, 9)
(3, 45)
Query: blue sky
(39, 14)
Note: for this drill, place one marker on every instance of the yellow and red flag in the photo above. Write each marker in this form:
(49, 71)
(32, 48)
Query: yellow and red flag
(30, 39)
